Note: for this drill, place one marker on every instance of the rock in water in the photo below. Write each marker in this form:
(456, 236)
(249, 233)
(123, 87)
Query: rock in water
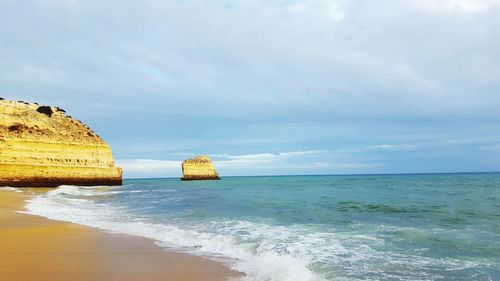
(199, 168)
(41, 146)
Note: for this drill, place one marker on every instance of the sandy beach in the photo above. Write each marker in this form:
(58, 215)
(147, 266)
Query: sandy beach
(33, 248)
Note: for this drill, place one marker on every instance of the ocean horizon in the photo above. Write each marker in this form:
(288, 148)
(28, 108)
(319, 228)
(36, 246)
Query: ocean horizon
(411, 227)
(325, 175)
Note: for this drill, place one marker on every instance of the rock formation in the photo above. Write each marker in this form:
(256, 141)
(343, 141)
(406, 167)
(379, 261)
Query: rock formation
(41, 146)
(199, 168)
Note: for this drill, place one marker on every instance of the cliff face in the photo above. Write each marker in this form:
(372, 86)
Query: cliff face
(199, 168)
(41, 146)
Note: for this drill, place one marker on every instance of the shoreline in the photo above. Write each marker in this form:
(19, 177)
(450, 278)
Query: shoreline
(36, 248)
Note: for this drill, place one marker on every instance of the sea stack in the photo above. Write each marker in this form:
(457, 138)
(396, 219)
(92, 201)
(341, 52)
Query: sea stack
(40, 146)
(199, 168)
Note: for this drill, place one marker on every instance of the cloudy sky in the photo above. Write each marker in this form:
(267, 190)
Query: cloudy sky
(267, 86)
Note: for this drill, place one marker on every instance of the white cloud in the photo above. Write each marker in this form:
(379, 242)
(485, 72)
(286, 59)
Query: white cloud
(461, 6)
(292, 162)
(250, 161)
(256, 57)
(396, 147)
(40, 74)
(328, 9)
(149, 167)
(493, 147)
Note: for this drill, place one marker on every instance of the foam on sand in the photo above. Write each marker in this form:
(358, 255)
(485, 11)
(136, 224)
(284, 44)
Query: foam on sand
(66, 204)
(8, 188)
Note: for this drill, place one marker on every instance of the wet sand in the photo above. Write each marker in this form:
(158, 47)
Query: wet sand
(33, 248)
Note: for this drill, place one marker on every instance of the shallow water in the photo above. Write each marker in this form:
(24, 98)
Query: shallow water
(383, 227)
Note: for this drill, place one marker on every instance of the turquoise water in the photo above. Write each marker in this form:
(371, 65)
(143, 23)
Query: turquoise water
(363, 227)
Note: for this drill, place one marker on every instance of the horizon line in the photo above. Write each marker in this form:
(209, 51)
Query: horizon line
(319, 175)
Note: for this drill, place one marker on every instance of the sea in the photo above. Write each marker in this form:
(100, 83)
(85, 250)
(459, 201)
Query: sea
(307, 228)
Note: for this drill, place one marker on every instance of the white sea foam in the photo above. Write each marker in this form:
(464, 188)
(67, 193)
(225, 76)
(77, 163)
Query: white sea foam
(66, 204)
(264, 252)
(8, 188)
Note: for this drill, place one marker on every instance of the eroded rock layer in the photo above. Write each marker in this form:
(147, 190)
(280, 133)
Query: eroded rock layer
(42, 146)
(199, 168)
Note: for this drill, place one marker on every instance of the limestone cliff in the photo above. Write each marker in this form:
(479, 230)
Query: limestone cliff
(42, 146)
(199, 168)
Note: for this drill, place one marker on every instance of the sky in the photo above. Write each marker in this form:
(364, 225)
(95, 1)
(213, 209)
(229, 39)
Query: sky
(267, 87)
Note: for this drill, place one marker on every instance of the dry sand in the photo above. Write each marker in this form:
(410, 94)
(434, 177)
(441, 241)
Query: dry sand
(33, 248)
